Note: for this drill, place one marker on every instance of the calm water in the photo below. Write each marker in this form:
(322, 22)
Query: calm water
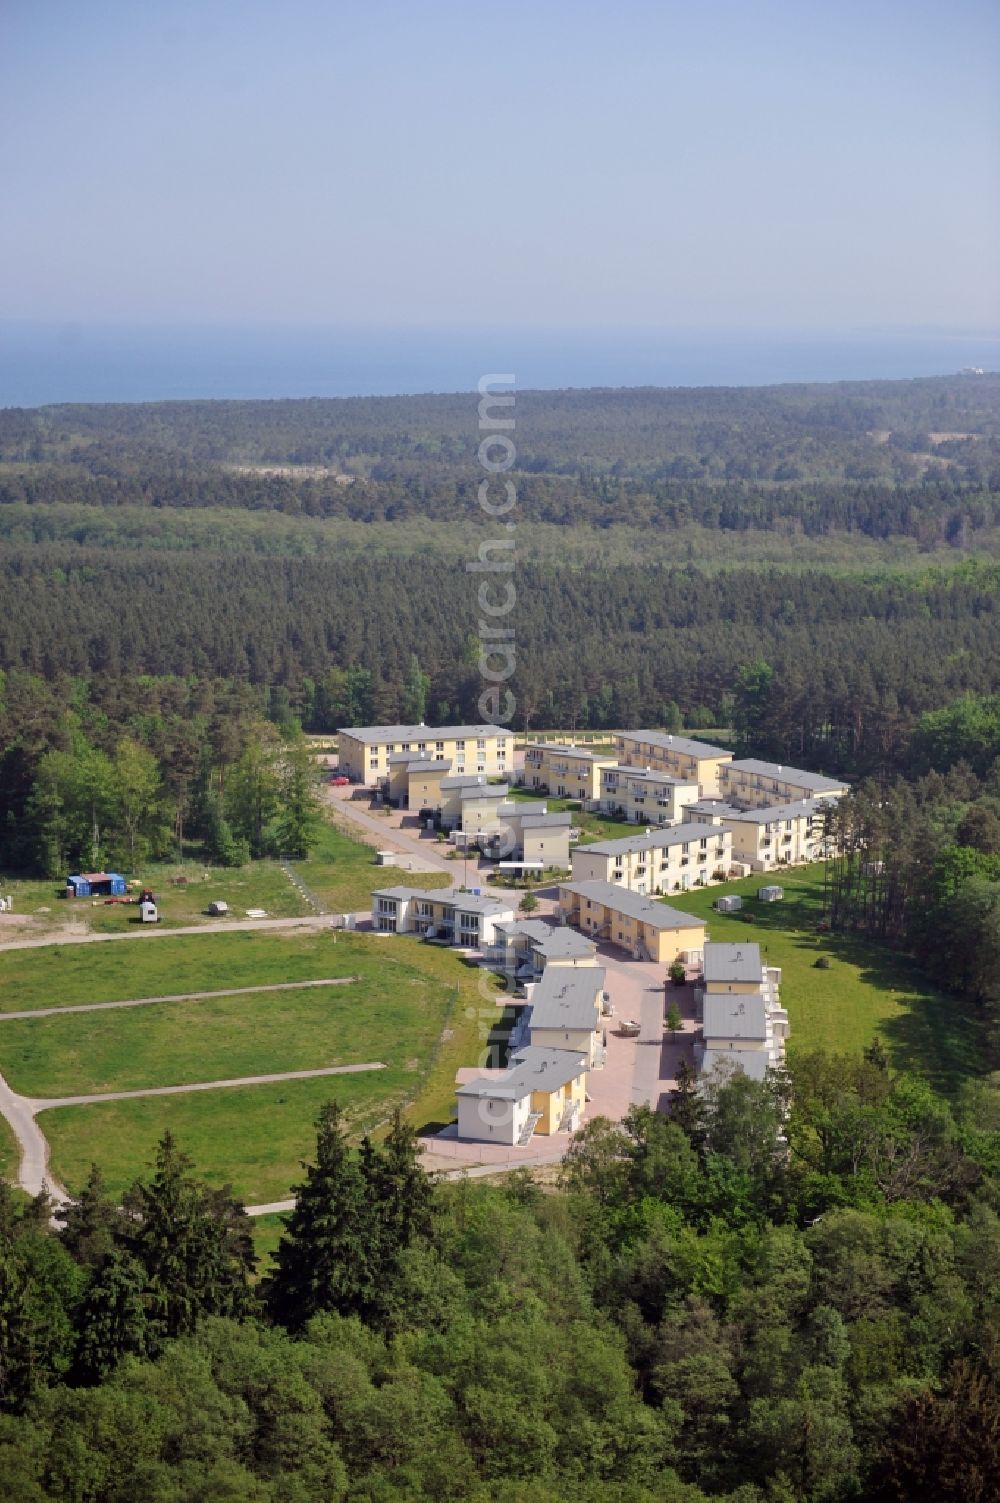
(93, 363)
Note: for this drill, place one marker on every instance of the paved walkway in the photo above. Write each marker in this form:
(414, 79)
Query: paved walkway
(33, 1170)
(220, 926)
(384, 832)
(46, 1103)
(229, 991)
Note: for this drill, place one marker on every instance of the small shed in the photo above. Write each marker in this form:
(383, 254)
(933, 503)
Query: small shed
(147, 912)
(218, 907)
(96, 885)
(770, 894)
(731, 904)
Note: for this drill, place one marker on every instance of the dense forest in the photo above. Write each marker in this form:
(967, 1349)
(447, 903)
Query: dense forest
(696, 1312)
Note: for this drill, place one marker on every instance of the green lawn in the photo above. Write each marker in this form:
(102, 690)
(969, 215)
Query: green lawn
(392, 1016)
(57, 975)
(419, 1008)
(8, 1150)
(867, 990)
(261, 884)
(253, 1138)
(341, 871)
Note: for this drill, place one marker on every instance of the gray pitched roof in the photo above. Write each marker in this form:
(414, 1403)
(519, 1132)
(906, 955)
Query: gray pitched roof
(657, 915)
(775, 812)
(657, 840)
(817, 781)
(666, 741)
(530, 1070)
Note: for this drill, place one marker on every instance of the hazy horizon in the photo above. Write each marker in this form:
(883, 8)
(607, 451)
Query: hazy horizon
(652, 165)
(82, 362)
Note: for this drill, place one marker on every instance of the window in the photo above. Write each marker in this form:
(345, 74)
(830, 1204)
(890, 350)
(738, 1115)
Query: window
(460, 746)
(421, 746)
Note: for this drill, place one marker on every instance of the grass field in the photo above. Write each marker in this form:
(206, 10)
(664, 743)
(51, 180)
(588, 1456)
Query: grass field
(8, 1150)
(393, 1016)
(868, 989)
(58, 975)
(262, 884)
(418, 1008)
(341, 871)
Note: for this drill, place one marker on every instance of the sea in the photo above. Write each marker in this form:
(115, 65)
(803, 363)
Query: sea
(94, 362)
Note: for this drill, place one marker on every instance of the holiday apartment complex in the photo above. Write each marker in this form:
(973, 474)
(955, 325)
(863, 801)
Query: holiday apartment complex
(692, 761)
(365, 750)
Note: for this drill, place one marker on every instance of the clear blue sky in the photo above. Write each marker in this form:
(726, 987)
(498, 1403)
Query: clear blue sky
(769, 164)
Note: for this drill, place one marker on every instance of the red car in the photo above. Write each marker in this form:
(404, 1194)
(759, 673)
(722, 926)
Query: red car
(339, 781)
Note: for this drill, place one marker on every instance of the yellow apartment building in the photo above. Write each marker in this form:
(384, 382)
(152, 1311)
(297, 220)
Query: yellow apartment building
(752, 784)
(693, 761)
(644, 796)
(365, 750)
(780, 835)
(668, 860)
(564, 771)
(646, 929)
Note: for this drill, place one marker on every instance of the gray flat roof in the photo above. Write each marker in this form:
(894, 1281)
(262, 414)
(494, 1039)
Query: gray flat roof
(657, 915)
(565, 998)
(452, 897)
(570, 751)
(558, 820)
(381, 735)
(658, 840)
(498, 791)
(753, 1062)
(713, 806)
(815, 780)
(530, 1069)
(650, 773)
(774, 812)
(683, 744)
(564, 944)
(734, 1015)
(421, 764)
(465, 780)
(729, 962)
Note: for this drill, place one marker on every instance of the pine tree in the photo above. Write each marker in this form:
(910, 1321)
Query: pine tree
(92, 1224)
(326, 1260)
(111, 1321)
(686, 1106)
(183, 1237)
(399, 1190)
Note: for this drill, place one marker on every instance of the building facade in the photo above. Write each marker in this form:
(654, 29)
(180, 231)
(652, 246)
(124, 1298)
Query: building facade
(564, 771)
(659, 861)
(364, 751)
(681, 756)
(646, 929)
(541, 1091)
(461, 918)
(752, 784)
(644, 796)
(781, 835)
